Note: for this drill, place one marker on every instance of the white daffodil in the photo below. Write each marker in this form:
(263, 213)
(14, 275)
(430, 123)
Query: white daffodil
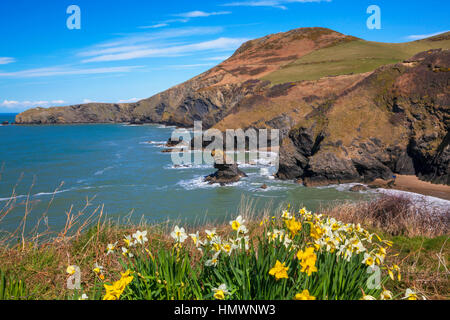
(286, 215)
(126, 252)
(214, 261)
(196, 239)
(210, 234)
(141, 237)
(111, 248)
(386, 295)
(238, 224)
(84, 296)
(97, 268)
(129, 241)
(410, 294)
(221, 292)
(179, 234)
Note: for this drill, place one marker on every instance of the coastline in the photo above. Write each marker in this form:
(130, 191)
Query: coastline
(413, 184)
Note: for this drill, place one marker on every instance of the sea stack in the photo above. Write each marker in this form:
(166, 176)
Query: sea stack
(227, 172)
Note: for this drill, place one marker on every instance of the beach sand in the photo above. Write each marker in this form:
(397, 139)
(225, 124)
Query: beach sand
(413, 184)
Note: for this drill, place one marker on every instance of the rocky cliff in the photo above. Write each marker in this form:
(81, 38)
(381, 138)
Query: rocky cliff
(348, 109)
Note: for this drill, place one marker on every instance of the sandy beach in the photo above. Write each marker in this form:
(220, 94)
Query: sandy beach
(413, 184)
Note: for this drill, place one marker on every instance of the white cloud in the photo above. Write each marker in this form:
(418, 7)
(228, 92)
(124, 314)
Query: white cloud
(155, 26)
(6, 60)
(423, 36)
(130, 100)
(219, 44)
(63, 71)
(199, 14)
(190, 66)
(219, 58)
(280, 4)
(13, 104)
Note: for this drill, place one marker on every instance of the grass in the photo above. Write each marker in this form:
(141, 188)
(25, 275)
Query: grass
(41, 266)
(358, 56)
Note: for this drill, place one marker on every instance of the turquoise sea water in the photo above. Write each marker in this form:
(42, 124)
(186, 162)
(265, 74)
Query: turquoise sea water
(115, 164)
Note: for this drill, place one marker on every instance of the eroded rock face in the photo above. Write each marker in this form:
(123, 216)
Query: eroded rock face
(397, 120)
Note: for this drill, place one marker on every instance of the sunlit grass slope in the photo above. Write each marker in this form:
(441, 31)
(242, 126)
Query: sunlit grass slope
(357, 56)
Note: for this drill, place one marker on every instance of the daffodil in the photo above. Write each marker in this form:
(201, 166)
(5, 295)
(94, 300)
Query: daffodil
(386, 295)
(279, 271)
(97, 268)
(84, 296)
(126, 252)
(196, 238)
(293, 226)
(410, 295)
(71, 270)
(114, 291)
(128, 241)
(368, 260)
(304, 296)
(141, 237)
(111, 247)
(214, 261)
(236, 224)
(221, 292)
(210, 234)
(307, 260)
(179, 234)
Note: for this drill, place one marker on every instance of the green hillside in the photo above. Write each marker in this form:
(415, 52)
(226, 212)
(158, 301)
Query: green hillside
(357, 56)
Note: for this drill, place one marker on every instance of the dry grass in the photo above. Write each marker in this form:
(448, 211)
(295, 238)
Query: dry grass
(395, 215)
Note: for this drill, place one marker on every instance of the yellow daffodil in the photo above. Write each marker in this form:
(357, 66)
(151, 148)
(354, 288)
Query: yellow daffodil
(304, 296)
(293, 226)
(307, 260)
(279, 271)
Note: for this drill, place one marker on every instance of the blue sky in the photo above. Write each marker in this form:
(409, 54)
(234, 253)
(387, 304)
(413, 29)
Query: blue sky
(130, 50)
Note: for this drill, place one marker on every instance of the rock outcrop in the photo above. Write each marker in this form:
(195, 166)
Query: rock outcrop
(396, 120)
(227, 171)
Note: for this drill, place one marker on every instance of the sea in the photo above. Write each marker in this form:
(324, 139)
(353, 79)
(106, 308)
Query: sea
(120, 170)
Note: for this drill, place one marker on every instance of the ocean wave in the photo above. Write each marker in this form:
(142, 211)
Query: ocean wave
(100, 172)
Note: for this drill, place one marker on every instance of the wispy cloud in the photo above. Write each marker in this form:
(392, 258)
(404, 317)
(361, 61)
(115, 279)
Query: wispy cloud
(185, 17)
(200, 14)
(6, 60)
(219, 44)
(130, 100)
(63, 71)
(280, 4)
(218, 58)
(13, 104)
(423, 36)
(190, 66)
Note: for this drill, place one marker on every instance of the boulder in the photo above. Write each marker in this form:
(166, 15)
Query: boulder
(358, 188)
(226, 172)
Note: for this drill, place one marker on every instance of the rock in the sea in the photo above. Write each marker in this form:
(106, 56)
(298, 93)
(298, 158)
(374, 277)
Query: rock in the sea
(226, 172)
(5, 123)
(358, 188)
(264, 186)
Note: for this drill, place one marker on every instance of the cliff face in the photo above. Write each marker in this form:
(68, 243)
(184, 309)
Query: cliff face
(396, 120)
(207, 97)
(348, 109)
